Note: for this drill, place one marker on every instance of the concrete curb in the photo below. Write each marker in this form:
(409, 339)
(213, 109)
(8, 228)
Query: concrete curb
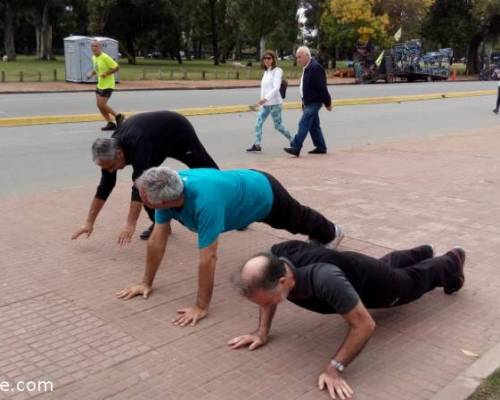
(62, 119)
(468, 381)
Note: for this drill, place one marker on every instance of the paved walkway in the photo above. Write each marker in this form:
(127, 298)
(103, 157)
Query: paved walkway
(60, 321)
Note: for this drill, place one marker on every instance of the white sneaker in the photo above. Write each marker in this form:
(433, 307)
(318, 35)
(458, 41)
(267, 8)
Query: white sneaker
(339, 235)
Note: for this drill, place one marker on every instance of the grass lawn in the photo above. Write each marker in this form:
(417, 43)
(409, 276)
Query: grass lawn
(145, 69)
(148, 69)
(489, 389)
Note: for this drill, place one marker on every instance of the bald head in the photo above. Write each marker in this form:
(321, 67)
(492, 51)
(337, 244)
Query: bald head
(254, 268)
(96, 47)
(261, 272)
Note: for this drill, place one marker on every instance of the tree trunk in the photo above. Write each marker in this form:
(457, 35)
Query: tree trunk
(9, 30)
(473, 54)
(38, 36)
(188, 44)
(262, 46)
(47, 40)
(43, 32)
(197, 48)
(37, 24)
(215, 39)
(177, 45)
(237, 51)
(130, 51)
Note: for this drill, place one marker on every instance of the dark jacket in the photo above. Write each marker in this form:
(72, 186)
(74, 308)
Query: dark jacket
(314, 87)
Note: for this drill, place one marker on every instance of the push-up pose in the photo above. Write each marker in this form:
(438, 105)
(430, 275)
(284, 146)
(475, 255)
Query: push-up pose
(347, 283)
(210, 202)
(143, 141)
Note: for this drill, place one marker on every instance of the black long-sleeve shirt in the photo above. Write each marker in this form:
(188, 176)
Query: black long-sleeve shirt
(146, 140)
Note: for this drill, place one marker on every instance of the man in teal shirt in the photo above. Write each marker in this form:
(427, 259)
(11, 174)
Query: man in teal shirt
(210, 202)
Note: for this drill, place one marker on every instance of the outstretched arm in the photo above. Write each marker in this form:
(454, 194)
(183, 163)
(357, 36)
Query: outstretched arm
(95, 207)
(133, 215)
(259, 337)
(361, 327)
(206, 275)
(142, 161)
(157, 244)
(106, 185)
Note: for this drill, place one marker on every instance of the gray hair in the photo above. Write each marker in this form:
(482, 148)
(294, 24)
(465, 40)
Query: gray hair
(305, 50)
(266, 278)
(160, 184)
(105, 149)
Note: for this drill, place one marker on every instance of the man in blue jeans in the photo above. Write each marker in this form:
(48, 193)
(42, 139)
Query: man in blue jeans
(314, 93)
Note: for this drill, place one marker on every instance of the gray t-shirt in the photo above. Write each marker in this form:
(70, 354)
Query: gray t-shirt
(323, 288)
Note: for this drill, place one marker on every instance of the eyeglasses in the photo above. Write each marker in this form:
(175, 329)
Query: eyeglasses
(267, 58)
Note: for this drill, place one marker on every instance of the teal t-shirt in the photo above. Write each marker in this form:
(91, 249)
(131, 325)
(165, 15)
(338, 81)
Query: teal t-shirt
(219, 201)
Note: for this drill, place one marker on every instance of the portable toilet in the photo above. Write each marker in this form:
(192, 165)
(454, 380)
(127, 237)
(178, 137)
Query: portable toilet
(78, 57)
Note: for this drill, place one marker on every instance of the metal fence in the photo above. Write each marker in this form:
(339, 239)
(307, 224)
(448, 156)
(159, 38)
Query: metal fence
(147, 74)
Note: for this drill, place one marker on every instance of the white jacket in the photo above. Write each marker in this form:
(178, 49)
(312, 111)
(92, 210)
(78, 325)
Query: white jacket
(270, 86)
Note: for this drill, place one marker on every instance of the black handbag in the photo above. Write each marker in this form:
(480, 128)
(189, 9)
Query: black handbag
(283, 87)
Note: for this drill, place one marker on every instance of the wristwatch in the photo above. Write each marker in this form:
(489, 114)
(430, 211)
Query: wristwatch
(337, 365)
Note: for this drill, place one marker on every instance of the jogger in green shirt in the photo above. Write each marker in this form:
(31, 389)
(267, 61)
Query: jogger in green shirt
(105, 68)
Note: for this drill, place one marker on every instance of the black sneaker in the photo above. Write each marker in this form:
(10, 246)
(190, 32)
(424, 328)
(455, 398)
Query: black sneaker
(495, 110)
(255, 147)
(292, 150)
(119, 120)
(147, 233)
(110, 126)
(317, 151)
(458, 254)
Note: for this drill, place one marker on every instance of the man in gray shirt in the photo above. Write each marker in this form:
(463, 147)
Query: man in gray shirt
(347, 283)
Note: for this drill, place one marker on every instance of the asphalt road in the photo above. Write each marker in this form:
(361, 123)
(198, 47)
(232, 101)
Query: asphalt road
(16, 105)
(49, 157)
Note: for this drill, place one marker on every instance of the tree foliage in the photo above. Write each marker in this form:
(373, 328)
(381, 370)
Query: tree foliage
(345, 22)
(463, 25)
(183, 29)
(406, 14)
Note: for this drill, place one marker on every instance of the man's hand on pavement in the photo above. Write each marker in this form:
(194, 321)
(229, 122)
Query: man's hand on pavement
(87, 229)
(189, 315)
(135, 290)
(333, 381)
(126, 235)
(252, 340)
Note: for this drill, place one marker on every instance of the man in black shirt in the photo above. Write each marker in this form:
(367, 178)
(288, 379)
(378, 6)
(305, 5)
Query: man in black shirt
(347, 283)
(142, 141)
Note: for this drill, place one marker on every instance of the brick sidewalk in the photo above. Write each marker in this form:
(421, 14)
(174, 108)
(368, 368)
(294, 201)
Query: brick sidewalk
(60, 321)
